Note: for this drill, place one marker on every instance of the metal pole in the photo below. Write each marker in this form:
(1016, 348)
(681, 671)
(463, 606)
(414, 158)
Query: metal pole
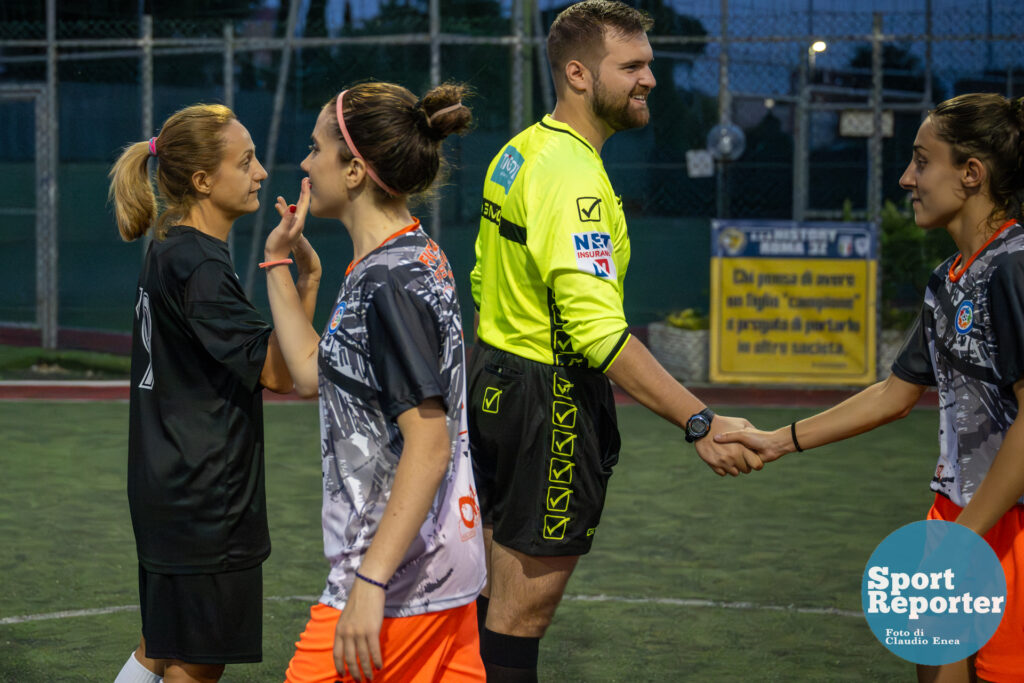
(229, 91)
(724, 108)
(146, 76)
(146, 85)
(875, 142)
(543, 68)
(275, 128)
(724, 96)
(229, 65)
(46, 228)
(928, 54)
(800, 146)
(435, 43)
(516, 94)
(435, 80)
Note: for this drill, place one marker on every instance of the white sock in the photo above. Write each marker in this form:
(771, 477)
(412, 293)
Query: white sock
(134, 672)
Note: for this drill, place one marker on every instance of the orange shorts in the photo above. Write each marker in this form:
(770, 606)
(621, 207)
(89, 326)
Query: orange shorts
(438, 646)
(1002, 658)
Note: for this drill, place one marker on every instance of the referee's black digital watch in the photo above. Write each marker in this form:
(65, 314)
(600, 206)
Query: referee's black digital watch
(698, 426)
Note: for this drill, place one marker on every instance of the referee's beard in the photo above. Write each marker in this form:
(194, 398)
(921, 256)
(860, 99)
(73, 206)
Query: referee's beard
(622, 114)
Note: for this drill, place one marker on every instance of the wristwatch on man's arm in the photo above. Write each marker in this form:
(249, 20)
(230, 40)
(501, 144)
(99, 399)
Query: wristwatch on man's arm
(698, 426)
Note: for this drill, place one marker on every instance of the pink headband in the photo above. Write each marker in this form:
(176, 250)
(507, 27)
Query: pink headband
(152, 147)
(352, 147)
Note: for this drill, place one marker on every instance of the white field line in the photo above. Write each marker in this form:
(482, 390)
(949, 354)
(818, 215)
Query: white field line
(309, 599)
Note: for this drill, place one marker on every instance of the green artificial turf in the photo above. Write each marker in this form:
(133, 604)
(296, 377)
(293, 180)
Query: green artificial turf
(793, 537)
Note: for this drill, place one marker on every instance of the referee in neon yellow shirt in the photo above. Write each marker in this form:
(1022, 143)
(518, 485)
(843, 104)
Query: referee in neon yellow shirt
(551, 257)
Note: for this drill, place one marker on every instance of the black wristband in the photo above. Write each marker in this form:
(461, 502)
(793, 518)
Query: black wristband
(368, 580)
(792, 431)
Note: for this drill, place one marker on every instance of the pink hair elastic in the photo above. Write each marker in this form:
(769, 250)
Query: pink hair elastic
(352, 147)
(439, 112)
(279, 262)
(152, 147)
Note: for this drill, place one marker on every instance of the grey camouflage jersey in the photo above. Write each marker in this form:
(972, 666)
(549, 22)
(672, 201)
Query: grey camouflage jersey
(394, 339)
(968, 343)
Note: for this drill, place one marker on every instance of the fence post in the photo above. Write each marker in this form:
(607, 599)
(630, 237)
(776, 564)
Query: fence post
(875, 142)
(435, 80)
(146, 74)
(515, 118)
(800, 151)
(46, 228)
(229, 89)
(271, 154)
(541, 55)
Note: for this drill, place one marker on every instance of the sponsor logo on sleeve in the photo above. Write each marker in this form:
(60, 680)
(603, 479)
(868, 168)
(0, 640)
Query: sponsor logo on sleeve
(507, 168)
(594, 253)
(589, 209)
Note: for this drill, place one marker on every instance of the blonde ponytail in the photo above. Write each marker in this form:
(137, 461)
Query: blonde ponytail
(131, 192)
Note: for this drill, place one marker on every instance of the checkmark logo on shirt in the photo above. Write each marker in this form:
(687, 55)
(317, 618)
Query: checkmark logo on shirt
(563, 414)
(554, 527)
(560, 471)
(562, 341)
(558, 498)
(589, 209)
(491, 400)
(561, 387)
(562, 443)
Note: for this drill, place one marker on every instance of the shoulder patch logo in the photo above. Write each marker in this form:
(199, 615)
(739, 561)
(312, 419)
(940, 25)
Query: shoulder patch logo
(589, 209)
(507, 168)
(335, 323)
(594, 254)
(964, 317)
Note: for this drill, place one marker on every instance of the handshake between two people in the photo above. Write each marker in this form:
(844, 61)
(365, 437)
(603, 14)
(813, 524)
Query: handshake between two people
(734, 446)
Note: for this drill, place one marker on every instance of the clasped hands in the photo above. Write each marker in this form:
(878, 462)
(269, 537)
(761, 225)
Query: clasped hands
(733, 446)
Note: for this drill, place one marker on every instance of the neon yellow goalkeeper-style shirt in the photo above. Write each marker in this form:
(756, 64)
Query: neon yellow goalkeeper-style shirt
(552, 252)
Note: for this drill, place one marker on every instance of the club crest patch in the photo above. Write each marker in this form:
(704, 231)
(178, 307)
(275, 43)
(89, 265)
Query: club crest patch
(336, 316)
(594, 253)
(964, 317)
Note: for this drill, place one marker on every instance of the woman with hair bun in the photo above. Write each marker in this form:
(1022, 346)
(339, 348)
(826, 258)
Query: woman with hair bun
(400, 514)
(966, 176)
(201, 356)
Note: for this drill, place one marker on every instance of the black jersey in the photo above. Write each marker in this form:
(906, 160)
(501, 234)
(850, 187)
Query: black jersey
(195, 453)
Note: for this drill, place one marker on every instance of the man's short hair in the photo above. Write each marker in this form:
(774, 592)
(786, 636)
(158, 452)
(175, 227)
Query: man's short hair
(578, 32)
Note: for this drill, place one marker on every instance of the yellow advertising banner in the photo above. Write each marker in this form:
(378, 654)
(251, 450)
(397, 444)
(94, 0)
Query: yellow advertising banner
(793, 303)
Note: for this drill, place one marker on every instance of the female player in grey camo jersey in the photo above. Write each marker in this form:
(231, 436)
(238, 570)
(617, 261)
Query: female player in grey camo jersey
(400, 515)
(967, 176)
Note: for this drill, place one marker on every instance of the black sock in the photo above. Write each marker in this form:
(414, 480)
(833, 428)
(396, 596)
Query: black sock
(482, 602)
(509, 659)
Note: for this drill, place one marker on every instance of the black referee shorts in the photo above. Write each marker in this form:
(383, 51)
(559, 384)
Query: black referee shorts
(203, 618)
(544, 439)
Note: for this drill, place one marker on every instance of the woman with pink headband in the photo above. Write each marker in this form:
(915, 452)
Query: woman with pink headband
(401, 520)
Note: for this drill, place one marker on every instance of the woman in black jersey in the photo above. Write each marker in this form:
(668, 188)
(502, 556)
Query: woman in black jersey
(201, 356)
(966, 176)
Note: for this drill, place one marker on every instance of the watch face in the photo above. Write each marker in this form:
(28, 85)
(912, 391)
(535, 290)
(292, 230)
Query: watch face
(699, 426)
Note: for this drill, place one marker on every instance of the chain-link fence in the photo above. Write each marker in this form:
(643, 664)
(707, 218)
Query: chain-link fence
(823, 130)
